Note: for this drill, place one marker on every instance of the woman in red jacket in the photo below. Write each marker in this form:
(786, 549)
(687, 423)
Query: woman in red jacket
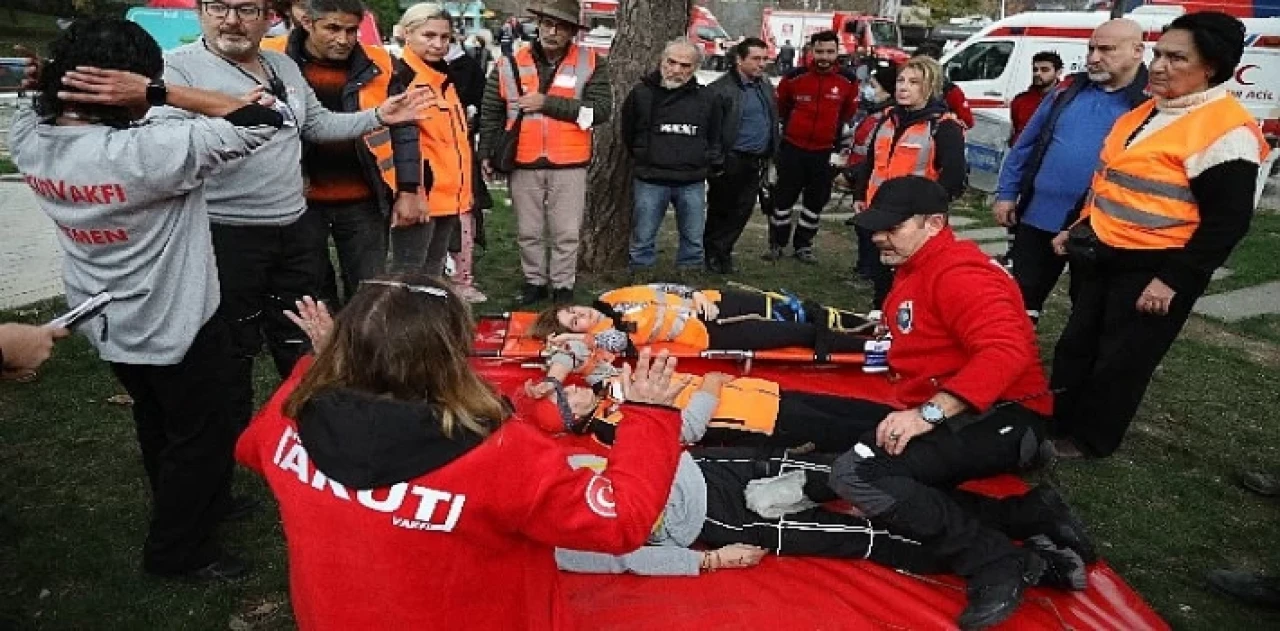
(408, 503)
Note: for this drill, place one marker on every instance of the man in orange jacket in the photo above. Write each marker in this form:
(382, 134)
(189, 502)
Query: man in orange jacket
(352, 188)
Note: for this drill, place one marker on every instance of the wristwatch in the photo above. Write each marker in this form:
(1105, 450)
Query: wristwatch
(932, 413)
(157, 93)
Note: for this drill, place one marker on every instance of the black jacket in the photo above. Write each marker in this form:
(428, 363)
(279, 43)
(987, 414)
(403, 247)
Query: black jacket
(948, 151)
(404, 138)
(728, 89)
(673, 135)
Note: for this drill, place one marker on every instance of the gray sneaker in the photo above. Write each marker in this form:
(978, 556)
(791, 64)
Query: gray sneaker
(1262, 483)
(774, 253)
(806, 255)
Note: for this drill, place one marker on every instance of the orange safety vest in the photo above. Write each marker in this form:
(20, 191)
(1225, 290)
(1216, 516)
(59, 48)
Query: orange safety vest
(276, 43)
(656, 316)
(913, 155)
(746, 404)
(444, 141)
(1141, 197)
(542, 137)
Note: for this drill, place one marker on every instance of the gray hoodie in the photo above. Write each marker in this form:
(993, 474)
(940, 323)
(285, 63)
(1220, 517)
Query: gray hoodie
(265, 189)
(129, 205)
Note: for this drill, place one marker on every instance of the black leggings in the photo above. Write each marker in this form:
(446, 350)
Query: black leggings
(832, 423)
(750, 335)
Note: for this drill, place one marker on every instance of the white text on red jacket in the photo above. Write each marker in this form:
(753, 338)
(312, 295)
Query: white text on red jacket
(435, 510)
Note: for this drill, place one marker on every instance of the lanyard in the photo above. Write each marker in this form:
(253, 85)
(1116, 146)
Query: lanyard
(274, 85)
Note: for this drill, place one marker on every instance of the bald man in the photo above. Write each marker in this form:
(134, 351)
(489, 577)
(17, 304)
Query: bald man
(1050, 166)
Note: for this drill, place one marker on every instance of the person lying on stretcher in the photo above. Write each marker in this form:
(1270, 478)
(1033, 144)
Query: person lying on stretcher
(746, 502)
(710, 319)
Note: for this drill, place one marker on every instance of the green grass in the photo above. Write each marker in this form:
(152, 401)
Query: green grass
(1164, 509)
(32, 30)
(7, 166)
(1256, 259)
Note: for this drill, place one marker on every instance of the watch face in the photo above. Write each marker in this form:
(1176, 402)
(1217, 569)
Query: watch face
(932, 413)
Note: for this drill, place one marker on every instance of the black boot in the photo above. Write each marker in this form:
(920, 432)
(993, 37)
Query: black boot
(1254, 589)
(1064, 569)
(562, 296)
(531, 294)
(995, 591)
(1049, 514)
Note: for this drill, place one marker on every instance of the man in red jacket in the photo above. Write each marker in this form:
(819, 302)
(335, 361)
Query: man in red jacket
(814, 103)
(1046, 70)
(974, 400)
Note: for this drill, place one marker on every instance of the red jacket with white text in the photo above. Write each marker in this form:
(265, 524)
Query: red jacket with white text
(814, 105)
(959, 325)
(391, 525)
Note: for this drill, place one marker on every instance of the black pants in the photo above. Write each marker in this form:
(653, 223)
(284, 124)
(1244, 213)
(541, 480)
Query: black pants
(1036, 267)
(813, 532)
(1108, 352)
(187, 435)
(359, 231)
(831, 423)
(730, 200)
(800, 172)
(264, 270)
(913, 494)
(767, 333)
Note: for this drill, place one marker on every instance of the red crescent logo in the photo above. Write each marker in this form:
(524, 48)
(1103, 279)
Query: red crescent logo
(600, 497)
(1240, 74)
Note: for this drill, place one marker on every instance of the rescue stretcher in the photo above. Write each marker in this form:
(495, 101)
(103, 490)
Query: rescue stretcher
(792, 592)
(506, 336)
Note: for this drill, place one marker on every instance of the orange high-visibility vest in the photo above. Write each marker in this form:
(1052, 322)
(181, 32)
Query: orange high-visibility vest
(656, 316)
(561, 143)
(746, 404)
(1141, 197)
(275, 43)
(444, 141)
(913, 154)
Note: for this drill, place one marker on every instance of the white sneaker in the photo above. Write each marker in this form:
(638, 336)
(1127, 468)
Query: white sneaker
(470, 294)
(779, 496)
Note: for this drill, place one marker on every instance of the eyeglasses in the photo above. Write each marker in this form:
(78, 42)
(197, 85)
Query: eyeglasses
(246, 12)
(414, 289)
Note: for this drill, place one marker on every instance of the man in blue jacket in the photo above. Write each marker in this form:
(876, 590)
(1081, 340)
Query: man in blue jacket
(1049, 168)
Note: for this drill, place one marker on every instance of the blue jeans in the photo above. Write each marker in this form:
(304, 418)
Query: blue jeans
(651, 202)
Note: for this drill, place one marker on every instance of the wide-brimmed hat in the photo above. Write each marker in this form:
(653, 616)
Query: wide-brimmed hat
(563, 10)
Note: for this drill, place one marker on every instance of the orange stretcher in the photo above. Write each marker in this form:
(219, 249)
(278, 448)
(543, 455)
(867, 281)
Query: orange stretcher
(507, 336)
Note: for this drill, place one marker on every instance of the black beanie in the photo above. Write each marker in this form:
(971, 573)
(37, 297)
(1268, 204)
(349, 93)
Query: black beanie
(885, 73)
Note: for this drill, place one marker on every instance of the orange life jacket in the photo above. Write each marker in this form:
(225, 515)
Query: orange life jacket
(913, 154)
(657, 316)
(558, 142)
(746, 404)
(444, 141)
(1141, 197)
(275, 43)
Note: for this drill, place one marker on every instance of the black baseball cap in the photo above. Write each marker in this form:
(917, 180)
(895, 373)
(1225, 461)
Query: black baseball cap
(900, 199)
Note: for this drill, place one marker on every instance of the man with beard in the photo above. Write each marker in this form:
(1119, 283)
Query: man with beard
(269, 250)
(353, 189)
(671, 126)
(1047, 172)
(814, 103)
(1046, 69)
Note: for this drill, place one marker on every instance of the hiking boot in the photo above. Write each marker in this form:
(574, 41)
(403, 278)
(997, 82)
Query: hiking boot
(774, 253)
(531, 294)
(1248, 587)
(562, 296)
(806, 255)
(1262, 483)
(1064, 569)
(1058, 522)
(995, 592)
(224, 569)
(1065, 449)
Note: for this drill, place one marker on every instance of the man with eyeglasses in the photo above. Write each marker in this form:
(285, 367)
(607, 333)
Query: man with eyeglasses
(269, 250)
(558, 91)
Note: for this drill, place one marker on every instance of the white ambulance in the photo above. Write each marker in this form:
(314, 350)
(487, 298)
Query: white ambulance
(994, 65)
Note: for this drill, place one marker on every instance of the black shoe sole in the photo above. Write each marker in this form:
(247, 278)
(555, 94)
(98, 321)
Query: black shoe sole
(1069, 531)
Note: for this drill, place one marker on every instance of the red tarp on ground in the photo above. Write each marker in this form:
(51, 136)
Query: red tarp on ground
(795, 593)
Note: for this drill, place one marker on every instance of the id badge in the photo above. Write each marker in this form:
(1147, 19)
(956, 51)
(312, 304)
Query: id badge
(566, 81)
(876, 356)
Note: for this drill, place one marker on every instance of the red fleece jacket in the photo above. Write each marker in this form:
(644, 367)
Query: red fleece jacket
(813, 105)
(959, 325)
(467, 546)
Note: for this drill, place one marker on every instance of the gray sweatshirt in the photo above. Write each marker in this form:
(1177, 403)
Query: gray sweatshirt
(667, 551)
(129, 205)
(266, 189)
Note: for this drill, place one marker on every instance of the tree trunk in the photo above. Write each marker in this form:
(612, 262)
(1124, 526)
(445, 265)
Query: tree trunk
(644, 27)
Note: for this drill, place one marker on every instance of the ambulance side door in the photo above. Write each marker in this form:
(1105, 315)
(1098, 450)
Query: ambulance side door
(983, 69)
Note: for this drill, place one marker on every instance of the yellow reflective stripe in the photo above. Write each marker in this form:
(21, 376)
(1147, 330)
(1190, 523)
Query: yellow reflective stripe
(1139, 184)
(1125, 212)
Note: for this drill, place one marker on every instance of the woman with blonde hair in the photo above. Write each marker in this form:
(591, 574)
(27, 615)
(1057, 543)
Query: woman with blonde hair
(408, 502)
(918, 136)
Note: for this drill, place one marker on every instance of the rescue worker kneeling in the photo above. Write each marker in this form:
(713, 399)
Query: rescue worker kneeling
(965, 367)
(710, 319)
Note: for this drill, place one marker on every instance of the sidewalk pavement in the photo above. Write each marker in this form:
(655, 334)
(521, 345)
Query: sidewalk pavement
(30, 258)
